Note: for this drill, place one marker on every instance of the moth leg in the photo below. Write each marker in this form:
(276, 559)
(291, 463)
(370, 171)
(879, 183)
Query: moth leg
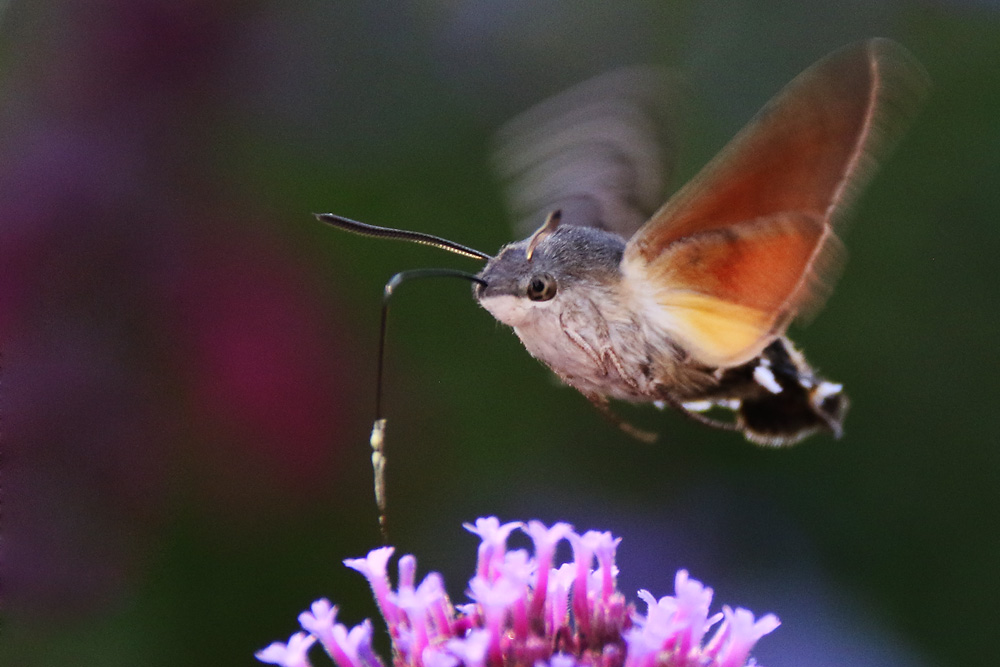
(616, 361)
(602, 358)
(672, 401)
(584, 345)
(601, 403)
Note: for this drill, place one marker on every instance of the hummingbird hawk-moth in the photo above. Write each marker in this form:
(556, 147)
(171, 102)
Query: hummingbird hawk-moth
(689, 308)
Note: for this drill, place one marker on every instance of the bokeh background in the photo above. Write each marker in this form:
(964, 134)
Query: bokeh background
(188, 357)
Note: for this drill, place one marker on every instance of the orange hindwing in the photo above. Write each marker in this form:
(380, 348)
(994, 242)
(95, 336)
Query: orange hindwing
(743, 248)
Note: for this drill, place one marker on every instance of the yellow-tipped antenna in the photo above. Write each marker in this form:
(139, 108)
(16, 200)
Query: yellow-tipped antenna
(365, 229)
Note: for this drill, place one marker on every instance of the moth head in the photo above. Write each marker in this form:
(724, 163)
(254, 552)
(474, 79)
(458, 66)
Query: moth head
(538, 277)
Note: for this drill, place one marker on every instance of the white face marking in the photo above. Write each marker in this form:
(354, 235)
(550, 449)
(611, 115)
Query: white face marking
(573, 354)
(538, 326)
(511, 310)
(765, 378)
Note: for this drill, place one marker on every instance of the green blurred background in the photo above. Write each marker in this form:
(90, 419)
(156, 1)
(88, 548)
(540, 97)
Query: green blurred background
(188, 357)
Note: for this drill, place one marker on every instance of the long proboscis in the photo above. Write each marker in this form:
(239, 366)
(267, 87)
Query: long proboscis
(364, 229)
(378, 426)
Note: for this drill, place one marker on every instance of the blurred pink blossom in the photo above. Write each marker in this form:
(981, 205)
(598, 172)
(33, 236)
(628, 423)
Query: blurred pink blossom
(601, 631)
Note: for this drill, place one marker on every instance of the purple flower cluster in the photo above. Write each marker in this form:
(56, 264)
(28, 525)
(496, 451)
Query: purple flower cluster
(527, 611)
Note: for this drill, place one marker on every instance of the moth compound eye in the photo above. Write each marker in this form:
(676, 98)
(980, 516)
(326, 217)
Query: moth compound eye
(541, 287)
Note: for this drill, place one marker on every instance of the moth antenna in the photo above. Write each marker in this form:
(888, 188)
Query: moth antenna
(377, 439)
(550, 225)
(365, 229)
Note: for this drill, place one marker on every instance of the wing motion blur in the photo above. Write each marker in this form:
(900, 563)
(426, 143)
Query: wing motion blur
(596, 152)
